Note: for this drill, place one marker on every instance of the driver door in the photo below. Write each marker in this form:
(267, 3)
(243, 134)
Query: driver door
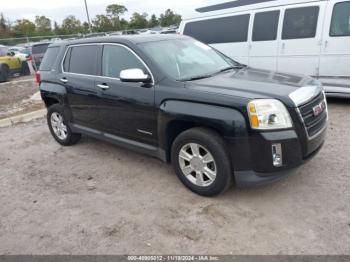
(126, 109)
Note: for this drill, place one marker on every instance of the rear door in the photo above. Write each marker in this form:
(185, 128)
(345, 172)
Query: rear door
(78, 76)
(264, 43)
(335, 51)
(299, 49)
(126, 109)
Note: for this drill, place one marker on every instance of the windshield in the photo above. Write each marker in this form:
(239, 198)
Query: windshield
(187, 59)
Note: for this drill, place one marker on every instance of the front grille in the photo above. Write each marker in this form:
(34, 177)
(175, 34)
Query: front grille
(314, 123)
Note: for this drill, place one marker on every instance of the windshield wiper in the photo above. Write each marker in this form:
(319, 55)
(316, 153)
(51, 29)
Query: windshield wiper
(197, 77)
(232, 67)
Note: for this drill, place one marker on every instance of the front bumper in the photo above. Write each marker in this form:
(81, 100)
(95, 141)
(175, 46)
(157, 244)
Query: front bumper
(252, 156)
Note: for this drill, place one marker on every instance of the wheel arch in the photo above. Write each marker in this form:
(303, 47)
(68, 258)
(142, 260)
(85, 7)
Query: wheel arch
(178, 116)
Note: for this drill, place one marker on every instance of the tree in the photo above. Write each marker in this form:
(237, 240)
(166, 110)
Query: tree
(153, 21)
(71, 25)
(169, 18)
(24, 27)
(43, 24)
(102, 23)
(138, 21)
(114, 12)
(123, 24)
(3, 26)
(85, 27)
(56, 28)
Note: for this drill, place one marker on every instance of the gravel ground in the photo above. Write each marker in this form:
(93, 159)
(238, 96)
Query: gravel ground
(96, 198)
(15, 94)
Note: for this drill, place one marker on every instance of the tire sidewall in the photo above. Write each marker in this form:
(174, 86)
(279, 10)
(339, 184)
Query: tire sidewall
(217, 150)
(56, 108)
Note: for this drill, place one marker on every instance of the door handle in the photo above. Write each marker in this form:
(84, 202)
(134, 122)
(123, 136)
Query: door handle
(103, 86)
(64, 80)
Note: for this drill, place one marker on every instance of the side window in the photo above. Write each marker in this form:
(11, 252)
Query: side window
(117, 58)
(83, 59)
(49, 58)
(300, 22)
(220, 30)
(66, 60)
(340, 25)
(265, 26)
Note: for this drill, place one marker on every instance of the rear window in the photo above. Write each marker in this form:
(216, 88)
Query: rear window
(49, 58)
(300, 22)
(39, 49)
(219, 30)
(82, 60)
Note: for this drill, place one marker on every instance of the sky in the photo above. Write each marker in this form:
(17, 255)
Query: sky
(57, 10)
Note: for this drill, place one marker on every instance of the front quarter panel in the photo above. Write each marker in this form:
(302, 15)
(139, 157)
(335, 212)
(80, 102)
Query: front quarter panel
(227, 121)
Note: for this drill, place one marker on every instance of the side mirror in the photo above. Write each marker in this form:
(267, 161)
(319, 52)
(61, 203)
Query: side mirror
(134, 75)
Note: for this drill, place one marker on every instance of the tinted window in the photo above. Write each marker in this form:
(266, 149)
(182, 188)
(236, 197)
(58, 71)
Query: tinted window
(265, 26)
(219, 30)
(300, 22)
(83, 60)
(67, 60)
(49, 58)
(39, 49)
(117, 58)
(340, 25)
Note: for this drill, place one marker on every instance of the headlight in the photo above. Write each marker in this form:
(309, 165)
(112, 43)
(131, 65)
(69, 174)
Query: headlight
(268, 114)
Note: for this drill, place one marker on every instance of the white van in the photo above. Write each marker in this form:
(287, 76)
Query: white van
(307, 37)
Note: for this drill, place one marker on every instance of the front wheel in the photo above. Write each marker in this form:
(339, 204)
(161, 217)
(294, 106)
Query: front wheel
(201, 161)
(57, 121)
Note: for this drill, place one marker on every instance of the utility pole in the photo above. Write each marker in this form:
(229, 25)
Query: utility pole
(88, 17)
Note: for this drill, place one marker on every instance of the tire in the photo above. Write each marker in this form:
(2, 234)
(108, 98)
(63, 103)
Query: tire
(25, 69)
(57, 121)
(207, 141)
(4, 73)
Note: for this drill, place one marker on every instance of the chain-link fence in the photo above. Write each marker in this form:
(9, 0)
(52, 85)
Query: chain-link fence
(22, 41)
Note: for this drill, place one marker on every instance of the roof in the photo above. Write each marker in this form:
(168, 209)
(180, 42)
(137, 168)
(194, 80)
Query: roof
(133, 39)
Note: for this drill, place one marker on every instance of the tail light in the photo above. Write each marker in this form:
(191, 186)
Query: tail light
(29, 58)
(37, 74)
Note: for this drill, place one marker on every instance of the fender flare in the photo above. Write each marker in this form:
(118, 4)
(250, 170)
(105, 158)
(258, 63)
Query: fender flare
(53, 91)
(228, 121)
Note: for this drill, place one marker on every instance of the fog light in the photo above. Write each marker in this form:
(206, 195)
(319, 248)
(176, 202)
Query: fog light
(277, 155)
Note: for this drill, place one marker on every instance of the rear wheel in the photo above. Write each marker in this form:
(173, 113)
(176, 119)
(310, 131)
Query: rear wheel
(201, 161)
(57, 121)
(4, 73)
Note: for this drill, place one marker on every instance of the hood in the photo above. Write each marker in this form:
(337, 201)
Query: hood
(252, 83)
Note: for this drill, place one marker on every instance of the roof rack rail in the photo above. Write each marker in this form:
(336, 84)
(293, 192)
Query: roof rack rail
(231, 4)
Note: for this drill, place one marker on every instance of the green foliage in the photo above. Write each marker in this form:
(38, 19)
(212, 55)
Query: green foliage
(24, 27)
(153, 21)
(102, 23)
(169, 18)
(114, 12)
(43, 24)
(71, 25)
(138, 21)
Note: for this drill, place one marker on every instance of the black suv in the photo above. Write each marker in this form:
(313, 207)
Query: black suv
(182, 101)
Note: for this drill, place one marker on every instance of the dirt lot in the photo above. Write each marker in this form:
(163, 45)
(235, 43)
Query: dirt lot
(15, 94)
(96, 198)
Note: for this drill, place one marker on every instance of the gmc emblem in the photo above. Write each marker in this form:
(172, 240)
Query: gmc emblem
(318, 109)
